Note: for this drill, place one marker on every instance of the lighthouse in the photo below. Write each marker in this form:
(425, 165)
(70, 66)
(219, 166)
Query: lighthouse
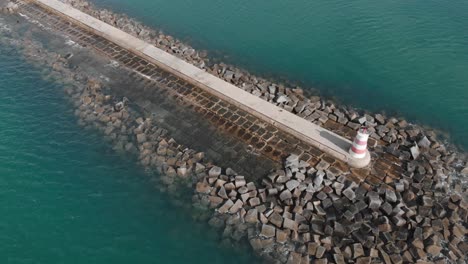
(358, 149)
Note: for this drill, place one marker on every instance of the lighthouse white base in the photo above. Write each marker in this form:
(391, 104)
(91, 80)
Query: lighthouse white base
(360, 162)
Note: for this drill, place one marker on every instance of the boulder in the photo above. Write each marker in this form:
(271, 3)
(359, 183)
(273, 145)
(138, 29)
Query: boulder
(339, 259)
(240, 182)
(291, 159)
(320, 252)
(358, 250)
(272, 89)
(256, 243)
(286, 194)
(349, 193)
(119, 106)
(11, 7)
(424, 143)
(171, 172)
(162, 150)
(387, 208)
(398, 220)
(322, 165)
(251, 216)
(203, 187)
(390, 196)
(415, 151)
(254, 201)
(225, 207)
(434, 250)
(363, 260)
(214, 172)
(229, 186)
(182, 172)
(282, 99)
(290, 224)
(380, 119)
(199, 167)
(222, 193)
(318, 180)
(276, 219)
(141, 138)
(129, 147)
(281, 236)
(292, 184)
(312, 248)
(272, 191)
(321, 261)
(374, 202)
(399, 186)
(464, 171)
(215, 201)
(268, 231)
(294, 258)
(245, 197)
(236, 207)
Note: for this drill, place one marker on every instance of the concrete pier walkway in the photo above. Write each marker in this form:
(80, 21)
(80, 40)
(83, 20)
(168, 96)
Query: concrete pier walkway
(303, 130)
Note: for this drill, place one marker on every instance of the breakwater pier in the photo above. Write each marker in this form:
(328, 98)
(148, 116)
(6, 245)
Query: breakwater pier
(316, 205)
(151, 62)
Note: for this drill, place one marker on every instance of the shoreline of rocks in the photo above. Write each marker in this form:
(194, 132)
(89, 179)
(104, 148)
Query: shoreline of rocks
(299, 213)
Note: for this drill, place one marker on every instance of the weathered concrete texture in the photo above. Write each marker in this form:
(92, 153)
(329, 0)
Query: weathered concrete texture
(297, 127)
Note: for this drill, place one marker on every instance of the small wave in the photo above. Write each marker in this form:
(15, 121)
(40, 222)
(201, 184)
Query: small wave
(3, 27)
(105, 78)
(95, 195)
(72, 43)
(113, 64)
(35, 21)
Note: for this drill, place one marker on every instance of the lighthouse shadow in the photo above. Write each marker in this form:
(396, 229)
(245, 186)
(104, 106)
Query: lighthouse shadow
(337, 141)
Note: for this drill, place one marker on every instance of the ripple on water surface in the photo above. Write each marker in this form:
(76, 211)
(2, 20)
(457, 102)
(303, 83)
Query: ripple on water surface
(66, 198)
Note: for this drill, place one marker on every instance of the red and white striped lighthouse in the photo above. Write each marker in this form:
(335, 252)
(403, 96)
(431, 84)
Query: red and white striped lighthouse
(359, 148)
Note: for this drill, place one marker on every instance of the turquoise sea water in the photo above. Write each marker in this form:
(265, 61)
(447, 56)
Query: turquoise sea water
(66, 197)
(408, 58)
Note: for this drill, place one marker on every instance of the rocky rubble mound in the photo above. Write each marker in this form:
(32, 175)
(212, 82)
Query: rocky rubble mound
(130, 132)
(302, 214)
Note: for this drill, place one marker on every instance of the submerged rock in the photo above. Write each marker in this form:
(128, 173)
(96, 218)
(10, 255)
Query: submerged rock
(214, 172)
(9, 7)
